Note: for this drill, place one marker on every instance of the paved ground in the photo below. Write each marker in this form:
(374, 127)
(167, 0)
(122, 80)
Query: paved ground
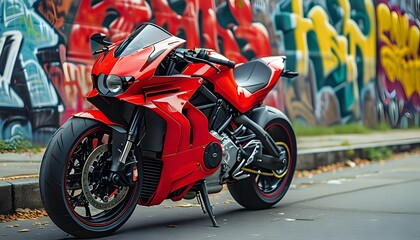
(377, 201)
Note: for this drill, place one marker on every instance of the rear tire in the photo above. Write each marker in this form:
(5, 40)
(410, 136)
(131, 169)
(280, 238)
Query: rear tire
(261, 192)
(61, 181)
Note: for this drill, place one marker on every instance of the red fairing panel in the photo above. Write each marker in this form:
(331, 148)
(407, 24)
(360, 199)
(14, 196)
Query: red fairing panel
(187, 133)
(240, 98)
(168, 98)
(186, 166)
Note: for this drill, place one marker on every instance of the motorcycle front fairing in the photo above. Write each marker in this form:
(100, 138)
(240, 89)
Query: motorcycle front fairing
(168, 115)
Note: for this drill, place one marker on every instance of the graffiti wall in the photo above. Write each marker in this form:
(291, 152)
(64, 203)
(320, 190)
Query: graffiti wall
(332, 44)
(398, 64)
(358, 59)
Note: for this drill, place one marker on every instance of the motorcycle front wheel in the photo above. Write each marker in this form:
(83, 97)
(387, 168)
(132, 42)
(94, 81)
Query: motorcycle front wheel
(264, 188)
(73, 185)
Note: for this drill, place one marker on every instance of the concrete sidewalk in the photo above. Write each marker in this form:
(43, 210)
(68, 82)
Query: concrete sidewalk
(313, 152)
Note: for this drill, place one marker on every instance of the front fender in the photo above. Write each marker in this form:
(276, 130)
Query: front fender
(119, 134)
(95, 115)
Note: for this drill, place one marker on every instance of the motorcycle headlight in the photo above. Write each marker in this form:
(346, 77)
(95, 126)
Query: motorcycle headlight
(112, 84)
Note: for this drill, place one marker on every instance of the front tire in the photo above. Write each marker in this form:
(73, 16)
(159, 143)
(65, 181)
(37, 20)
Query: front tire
(261, 192)
(75, 197)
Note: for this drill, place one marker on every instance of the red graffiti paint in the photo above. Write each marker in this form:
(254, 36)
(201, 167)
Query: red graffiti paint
(194, 20)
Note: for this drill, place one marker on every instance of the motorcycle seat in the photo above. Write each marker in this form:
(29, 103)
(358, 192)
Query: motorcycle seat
(253, 75)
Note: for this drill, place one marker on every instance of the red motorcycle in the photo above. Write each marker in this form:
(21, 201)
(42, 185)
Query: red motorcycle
(170, 123)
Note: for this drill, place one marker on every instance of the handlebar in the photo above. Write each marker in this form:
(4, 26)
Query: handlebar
(228, 63)
(204, 55)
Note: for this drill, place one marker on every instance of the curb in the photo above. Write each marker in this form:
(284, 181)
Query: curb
(6, 202)
(24, 193)
(314, 158)
(20, 193)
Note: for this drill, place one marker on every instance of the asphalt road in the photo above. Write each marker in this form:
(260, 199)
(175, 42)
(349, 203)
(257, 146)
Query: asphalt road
(378, 201)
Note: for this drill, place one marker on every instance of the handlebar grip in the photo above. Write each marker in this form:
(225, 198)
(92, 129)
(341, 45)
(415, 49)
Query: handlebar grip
(228, 63)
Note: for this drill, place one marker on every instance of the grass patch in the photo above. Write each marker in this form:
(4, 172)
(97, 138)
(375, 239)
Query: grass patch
(378, 153)
(17, 144)
(302, 130)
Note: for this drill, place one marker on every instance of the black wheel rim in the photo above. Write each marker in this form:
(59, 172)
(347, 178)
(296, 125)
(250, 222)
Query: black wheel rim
(271, 187)
(76, 200)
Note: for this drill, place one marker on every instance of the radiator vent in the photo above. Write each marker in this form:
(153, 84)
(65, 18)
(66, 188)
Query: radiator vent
(152, 169)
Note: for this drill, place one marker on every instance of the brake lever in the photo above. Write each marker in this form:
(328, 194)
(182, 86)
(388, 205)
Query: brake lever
(202, 61)
(104, 49)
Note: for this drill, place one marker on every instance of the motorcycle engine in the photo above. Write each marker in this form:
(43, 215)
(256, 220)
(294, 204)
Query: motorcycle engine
(231, 155)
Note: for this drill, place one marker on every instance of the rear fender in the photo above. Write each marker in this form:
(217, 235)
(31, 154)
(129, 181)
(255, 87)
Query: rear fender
(264, 114)
(257, 120)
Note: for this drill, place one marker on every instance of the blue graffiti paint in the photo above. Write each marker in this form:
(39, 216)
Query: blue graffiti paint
(28, 93)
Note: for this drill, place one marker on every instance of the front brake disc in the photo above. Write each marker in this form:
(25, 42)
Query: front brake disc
(102, 195)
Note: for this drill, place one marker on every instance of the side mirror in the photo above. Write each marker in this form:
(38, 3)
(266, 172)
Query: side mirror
(100, 38)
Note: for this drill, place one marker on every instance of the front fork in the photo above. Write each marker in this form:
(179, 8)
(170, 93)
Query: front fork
(121, 172)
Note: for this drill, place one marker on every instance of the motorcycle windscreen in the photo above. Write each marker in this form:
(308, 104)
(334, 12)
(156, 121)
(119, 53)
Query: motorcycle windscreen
(142, 37)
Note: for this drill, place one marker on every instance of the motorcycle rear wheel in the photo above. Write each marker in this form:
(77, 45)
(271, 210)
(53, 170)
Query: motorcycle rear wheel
(261, 192)
(76, 198)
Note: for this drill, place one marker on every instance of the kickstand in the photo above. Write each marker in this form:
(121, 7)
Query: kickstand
(203, 199)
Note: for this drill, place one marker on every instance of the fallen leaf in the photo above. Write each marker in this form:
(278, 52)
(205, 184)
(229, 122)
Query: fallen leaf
(23, 214)
(41, 223)
(350, 163)
(24, 230)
